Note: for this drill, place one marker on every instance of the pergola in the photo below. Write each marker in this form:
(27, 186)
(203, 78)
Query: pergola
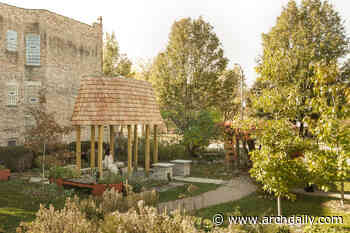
(109, 101)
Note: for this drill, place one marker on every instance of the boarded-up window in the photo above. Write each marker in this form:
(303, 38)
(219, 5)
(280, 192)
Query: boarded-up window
(11, 37)
(33, 49)
(12, 95)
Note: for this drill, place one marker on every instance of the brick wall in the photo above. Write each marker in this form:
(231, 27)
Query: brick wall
(69, 49)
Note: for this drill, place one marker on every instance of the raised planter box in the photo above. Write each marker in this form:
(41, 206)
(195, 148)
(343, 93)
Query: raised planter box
(181, 167)
(162, 171)
(97, 189)
(5, 174)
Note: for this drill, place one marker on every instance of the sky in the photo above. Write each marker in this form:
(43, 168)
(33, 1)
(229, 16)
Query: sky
(142, 27)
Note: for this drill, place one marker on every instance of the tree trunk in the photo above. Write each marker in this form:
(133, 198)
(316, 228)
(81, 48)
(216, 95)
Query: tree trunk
(301, 129)
(279, 206)
(342, 194)
(237, 152)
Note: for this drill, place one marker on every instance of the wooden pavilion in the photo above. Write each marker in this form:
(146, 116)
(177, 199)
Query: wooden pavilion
(109, 101)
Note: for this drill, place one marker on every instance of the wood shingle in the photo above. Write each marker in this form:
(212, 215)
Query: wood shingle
(115, 101)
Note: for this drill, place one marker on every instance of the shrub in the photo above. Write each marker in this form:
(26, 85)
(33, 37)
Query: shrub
(47, 194)
(88, 216)
(63, 172)
(50, 161)
(2, 167)
(69, 220)
(111, 178)
(96, 208)
(325, 229)
(17, 158)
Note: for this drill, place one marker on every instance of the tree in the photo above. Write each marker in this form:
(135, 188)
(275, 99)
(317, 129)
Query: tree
(301, 37)
(330, 163)
(187, 72)
(278, 164)
(200, 131)
(46, 131)
(114, 62)
(228, 102)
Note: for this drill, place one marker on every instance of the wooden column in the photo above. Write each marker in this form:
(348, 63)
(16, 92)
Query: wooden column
(92, 152)
(135, 147)
(100, 149)
(111, 140)
(155, 145)
(147, 151)
(129, 151)
(78, 149)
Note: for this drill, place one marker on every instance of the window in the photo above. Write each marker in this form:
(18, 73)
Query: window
(33, 49)
(12, 95)
(12, 142)
(33, 100)
(11, 37)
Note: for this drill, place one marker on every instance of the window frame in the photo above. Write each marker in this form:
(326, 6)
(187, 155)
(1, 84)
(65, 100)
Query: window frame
(33, 49)
(12, 98)
(11, 42)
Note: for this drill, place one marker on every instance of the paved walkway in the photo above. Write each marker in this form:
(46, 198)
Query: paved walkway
(322, 194)
(199, 180)
(232, 190)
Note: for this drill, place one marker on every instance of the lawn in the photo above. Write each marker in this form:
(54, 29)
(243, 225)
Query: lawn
(253, 205)
(182, 191)
(212, 171)
(16, 205)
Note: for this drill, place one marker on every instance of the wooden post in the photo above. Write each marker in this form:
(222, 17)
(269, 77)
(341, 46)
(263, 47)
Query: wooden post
(92, 152)
(135, 147)
(111, 140)
(155, 145)
(78, 149)
(129, 151)
(147, 151)
(100, 149)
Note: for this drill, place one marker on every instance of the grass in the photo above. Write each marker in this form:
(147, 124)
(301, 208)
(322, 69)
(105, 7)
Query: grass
(253, 205)
(175, 193)
(16, 206)
(212, 171)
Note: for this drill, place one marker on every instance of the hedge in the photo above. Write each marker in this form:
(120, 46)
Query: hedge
(16, 158)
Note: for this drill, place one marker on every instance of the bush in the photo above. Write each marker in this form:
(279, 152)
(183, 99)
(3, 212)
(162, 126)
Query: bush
(325, 229)
(50, 161)
(47, 194)
(69, 220)
(63, 172)
(111, 178)
(17, 158)
(2, 167)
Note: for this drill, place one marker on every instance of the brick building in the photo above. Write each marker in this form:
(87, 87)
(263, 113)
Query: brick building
(41, 49)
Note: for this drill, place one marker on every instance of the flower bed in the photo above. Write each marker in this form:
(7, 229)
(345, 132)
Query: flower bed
(97, 189)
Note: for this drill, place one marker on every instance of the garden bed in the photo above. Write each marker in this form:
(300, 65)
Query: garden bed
(97, 189)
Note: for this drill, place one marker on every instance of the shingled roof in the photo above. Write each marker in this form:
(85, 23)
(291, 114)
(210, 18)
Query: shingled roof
(115, 101)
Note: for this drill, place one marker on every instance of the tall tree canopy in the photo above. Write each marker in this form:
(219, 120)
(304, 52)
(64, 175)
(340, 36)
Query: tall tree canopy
(298, 80)
(114, 62)
(187, 75)
(187, 72)
(303, 35)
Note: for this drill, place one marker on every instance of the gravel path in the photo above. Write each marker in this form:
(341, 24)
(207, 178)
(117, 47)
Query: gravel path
(234, 189)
